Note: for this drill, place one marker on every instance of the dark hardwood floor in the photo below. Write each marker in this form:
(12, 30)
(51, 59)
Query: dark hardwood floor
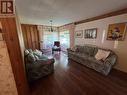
(71, 78)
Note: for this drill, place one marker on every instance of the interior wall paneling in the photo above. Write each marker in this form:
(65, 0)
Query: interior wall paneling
(24, 37)
(35, 37)
(31, 36)
(40, 30)
(33, 40)
(12, 41)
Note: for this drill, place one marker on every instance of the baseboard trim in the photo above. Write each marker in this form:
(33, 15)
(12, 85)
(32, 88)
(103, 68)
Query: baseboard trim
(118, 73)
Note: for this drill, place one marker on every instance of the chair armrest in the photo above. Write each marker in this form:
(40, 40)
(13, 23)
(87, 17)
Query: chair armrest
(44, 62)
(39, 63)
(111, 60)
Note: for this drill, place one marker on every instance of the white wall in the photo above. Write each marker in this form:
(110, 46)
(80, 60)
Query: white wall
(120, 47)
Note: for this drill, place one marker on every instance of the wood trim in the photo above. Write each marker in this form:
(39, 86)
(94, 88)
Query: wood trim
(122, 75)
(115, 13)
(11, 37)
(65, 25)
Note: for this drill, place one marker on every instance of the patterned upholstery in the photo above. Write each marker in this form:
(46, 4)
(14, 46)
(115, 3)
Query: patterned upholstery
(38, 68)
(56, 46)
(86, 56)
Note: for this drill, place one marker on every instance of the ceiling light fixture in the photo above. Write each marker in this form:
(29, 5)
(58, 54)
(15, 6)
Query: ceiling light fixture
(51, 27)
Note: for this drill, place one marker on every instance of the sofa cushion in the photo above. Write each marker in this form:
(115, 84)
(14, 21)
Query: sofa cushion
(92, 59)
(43, 57)
(86, 50)
(89, 50)
(80, 49)
(84, 56)
(81, 55)
(37, 52)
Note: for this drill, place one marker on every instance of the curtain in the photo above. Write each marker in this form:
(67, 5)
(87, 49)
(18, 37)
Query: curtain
(70, 28)
(47, 37)
(64, 37)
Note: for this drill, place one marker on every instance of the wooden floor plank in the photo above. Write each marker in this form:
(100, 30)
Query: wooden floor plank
(71, 78)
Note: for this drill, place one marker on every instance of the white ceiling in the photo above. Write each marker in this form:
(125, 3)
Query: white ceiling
(64, 11)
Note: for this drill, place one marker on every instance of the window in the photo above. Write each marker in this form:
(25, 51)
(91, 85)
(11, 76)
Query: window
(49, 38)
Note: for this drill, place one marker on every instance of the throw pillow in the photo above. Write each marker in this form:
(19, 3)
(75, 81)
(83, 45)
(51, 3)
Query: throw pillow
(106, 53)
(31, 57)
(102, 54)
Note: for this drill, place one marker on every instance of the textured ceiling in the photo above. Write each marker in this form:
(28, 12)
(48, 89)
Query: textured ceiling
(64, 11)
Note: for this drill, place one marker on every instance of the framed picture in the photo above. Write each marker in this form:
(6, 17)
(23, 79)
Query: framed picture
(90, 33)
(116, 31)
(79, 34)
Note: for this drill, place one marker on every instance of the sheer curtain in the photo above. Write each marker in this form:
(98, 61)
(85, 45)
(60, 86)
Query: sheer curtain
(64, 37)
(70, 28)
(61, 33)
(49, 37)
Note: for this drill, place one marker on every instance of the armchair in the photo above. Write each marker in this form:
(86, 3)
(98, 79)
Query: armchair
(56, 46)
(37, 65)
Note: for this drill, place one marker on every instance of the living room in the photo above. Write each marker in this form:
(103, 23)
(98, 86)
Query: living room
(79, 50)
